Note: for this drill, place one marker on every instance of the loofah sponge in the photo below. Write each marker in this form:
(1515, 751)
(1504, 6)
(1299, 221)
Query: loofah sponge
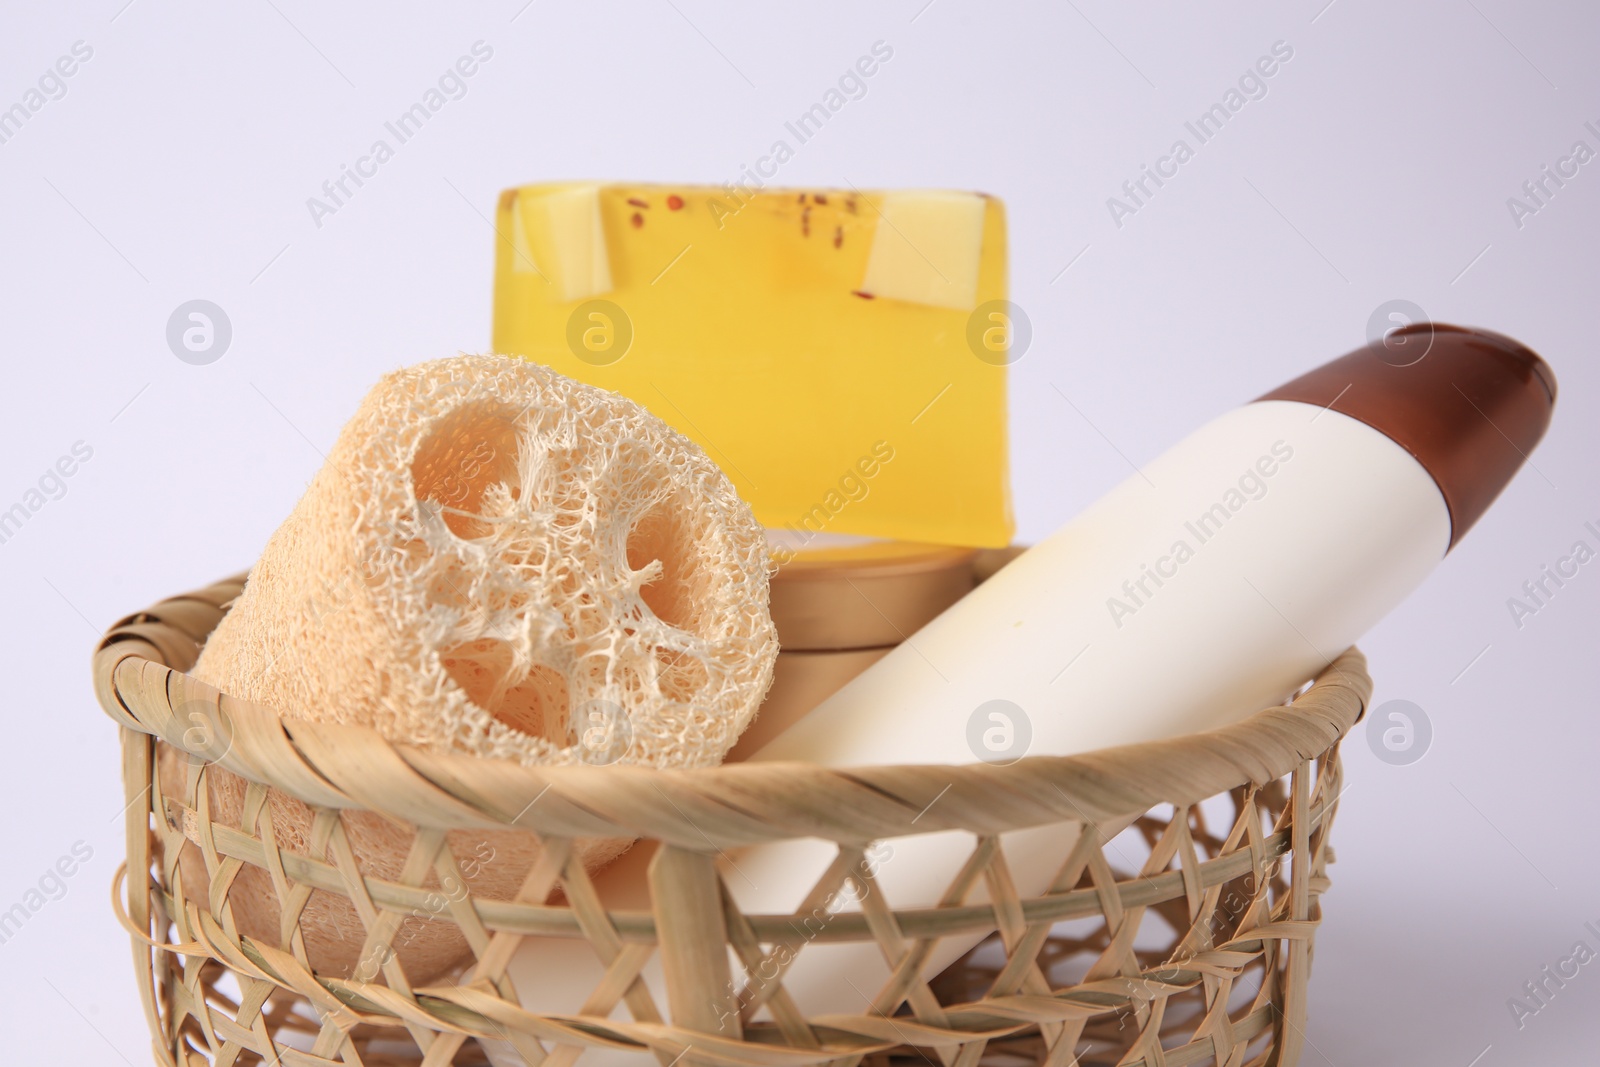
(494, 560)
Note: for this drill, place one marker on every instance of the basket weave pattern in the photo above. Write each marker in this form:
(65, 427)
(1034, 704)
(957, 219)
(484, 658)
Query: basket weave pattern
(1194, 949)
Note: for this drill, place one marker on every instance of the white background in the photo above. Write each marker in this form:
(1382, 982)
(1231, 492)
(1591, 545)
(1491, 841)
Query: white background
(1378, 166)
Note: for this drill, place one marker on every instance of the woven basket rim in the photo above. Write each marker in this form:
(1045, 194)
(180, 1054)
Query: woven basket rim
(140, 682)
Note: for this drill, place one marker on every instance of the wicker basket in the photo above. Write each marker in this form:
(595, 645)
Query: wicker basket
(1185, 940)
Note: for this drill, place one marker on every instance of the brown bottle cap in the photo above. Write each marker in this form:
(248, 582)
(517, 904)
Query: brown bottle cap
(1468, 404)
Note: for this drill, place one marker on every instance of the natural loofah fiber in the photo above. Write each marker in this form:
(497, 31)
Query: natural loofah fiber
(501, 561)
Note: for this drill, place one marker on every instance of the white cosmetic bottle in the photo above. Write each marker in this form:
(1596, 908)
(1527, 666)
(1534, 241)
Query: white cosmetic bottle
(1214, 582)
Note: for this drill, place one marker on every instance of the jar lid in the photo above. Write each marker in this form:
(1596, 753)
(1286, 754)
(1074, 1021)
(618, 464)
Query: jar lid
(868, 595)
(800, 681)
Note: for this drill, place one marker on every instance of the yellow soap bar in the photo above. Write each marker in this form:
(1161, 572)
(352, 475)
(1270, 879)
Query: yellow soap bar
(840, 354)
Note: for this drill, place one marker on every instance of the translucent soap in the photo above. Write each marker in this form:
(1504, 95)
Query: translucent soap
(841, 354)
